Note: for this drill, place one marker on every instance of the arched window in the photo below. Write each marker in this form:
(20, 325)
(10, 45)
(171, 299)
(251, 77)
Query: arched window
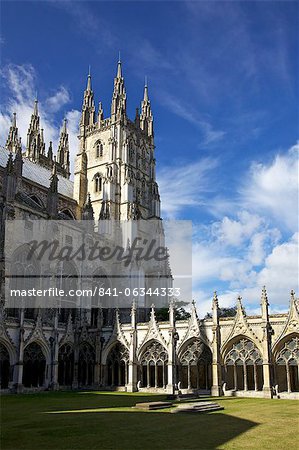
(99, 149)
(287, 365)
(243, 366)
(154, 365)
(34, 366)
(97, 182)
(65, 365)
(195, 365)
(117, 363)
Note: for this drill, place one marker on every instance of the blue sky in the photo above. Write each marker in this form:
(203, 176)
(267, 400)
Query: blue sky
(223, 86)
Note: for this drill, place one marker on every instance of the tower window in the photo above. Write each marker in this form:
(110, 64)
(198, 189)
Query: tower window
(98, 183)
(99, 150)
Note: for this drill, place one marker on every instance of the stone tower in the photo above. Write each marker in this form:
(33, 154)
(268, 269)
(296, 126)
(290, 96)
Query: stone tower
(116, 162)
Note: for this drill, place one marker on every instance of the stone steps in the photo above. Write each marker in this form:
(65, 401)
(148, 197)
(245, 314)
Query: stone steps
(152, 405)
(199, 407)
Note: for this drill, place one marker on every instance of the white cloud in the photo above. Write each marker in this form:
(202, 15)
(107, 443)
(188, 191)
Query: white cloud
(21, 84)
(184, 186)
(272, 189)
(58, 100)
(210, 135)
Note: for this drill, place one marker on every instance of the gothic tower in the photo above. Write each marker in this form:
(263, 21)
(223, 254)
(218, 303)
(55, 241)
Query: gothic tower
(116, 162)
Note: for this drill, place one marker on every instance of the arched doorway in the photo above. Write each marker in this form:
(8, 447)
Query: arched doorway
(195, 366)
(243, 366)
(286, 365)
(65, 365)
(86, 364)
(4, 367)
(34, 366)
(117, 363)
(154, 365)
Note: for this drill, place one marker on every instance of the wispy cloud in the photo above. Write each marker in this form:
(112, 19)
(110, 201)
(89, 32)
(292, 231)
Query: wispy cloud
(184, 186)
(21, 81)
(209, 133)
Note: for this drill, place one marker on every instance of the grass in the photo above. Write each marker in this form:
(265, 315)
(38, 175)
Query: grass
(102, 420)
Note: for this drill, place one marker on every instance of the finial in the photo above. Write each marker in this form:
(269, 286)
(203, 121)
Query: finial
(215, 299)
(88, 87)
(145, 80)
(14, 120)
(119, 57)
(89, 67)
(119, 72)
(145, 95)
(64, 129)
(35, 110)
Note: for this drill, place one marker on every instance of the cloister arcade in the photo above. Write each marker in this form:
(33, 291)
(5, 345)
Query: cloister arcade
(117, 365)
(243, 366)
(153, 365)
(286, 366)
(34, 366)
(194, 368)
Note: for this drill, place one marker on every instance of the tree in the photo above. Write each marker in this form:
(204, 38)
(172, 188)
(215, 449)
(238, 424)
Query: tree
(224, 312)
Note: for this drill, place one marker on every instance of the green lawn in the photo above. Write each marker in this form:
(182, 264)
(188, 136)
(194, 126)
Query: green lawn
(62, 420)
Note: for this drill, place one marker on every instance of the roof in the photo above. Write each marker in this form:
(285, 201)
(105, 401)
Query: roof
(39, 174)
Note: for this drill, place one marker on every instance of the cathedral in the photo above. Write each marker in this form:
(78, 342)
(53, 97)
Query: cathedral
(122, 349)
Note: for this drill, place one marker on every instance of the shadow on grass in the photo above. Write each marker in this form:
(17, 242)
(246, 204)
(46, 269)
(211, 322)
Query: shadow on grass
(107, 422)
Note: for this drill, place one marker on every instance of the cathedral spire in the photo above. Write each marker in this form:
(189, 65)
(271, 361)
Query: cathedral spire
(35, 144)
(13, 142)
(88, 107)
(88, 87)
(146, 116)
(119, 71)
(35, 109)
(63, 153)
(119, 97)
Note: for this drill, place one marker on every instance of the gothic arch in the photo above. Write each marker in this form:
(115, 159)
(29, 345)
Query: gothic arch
(66, 364)
(279, 344)
(117, 364)
(34, 364)
(5, 365)
(243, 365)
(13, 358)
(99, 148)
(235, 339)
(86, 364)
(153, 358)
(194, 364)
(146, 344)
(98, 182)
(25, 272)
(68, 214)
(37, 200)
(286, 363)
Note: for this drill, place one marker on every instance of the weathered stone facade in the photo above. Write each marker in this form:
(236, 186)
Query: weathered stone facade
(108, 349)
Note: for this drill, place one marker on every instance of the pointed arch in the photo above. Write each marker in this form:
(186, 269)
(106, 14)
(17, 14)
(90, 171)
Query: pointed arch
(34, 364)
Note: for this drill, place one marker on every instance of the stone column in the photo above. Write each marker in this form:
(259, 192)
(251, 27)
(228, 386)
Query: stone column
(245, 377)
(235, 378)
(18, 372)
(173, 338)
(132, 382)
(156, 375)
(266, 344)
(216, 390)
(255, 377)
(288, 378)
(148, 374)
(189, 376)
